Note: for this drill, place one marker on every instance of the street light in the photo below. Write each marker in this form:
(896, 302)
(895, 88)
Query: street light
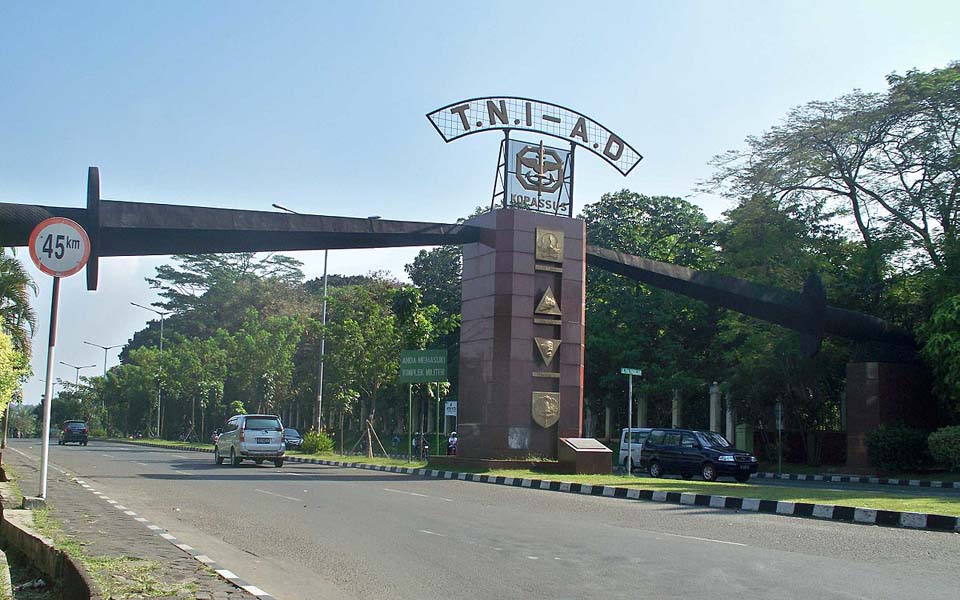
(77, 380)
(105, 350)
(323, 333)
(159, 386)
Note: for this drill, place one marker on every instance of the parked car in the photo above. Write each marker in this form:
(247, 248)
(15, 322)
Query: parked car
(292, 438)
(687, 452)
(250, 437)
(638, 435)
(73, 431)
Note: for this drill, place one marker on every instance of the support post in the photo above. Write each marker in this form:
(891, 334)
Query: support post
(48, 395)
(731, 419)
(715, 407)
(677, 418)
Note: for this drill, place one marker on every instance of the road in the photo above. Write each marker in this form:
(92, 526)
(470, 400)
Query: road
(311, 531)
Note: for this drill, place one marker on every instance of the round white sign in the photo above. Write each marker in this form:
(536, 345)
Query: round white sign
(59, 247)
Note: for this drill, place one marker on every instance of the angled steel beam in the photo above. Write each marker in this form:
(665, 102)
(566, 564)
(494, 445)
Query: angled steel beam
(806, 312)
(137, 229)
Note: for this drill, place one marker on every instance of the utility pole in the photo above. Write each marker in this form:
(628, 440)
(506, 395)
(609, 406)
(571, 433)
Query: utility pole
(159, 384)
(76, 380)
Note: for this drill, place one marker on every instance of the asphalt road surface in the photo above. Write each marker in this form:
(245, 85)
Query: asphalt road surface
(315, 532)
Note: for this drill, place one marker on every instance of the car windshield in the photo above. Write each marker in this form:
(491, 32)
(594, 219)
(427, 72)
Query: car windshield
(272, 424)
(291, 432)
(713, 440)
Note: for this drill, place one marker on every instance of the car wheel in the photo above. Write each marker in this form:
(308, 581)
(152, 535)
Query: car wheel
(708, 472)
(259, 461)
(217, 459)
(84, 443)
(234, 459)
(656, 470)
(278, 462)
(742, 477)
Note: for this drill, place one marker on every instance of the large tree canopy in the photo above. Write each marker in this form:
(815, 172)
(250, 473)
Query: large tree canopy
(890, 160)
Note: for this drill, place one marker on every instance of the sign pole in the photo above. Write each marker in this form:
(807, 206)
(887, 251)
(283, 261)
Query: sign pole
(59, 247)
(410, 423)
(630, 373)
(437, 432)
(48, 393)
(630, 426)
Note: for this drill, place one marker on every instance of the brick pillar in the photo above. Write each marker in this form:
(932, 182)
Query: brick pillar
(505, 280)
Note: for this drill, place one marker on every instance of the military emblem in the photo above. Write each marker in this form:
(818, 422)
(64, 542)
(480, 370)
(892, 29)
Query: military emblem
(548, 304)
(539, 169)
(546, 408)
(549, 245)
(548, 349)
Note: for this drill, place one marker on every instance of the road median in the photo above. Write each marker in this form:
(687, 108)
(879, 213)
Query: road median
(872, 508)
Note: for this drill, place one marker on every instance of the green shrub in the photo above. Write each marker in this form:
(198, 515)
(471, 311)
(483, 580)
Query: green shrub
(945, 446)
(316, 442)
(897, 448)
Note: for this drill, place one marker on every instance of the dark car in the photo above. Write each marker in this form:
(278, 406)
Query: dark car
(292, 438)
(687, 452)
(73, 431)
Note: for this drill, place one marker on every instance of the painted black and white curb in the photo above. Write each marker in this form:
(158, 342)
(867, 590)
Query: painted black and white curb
(861, 479)
(847, 514)
(196, 554)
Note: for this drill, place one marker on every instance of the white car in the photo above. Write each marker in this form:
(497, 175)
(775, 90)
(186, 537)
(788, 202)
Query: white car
(250, 437)
(638, 435)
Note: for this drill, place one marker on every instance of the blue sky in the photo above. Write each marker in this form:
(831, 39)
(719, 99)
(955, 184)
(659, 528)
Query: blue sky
(320, 106)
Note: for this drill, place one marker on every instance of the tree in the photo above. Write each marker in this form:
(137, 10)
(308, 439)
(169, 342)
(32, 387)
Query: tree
(630, 324)
(437, 273)
(891, 160)
(941, 349)
(14, 369)
(17, 318)
(779, 242)
(364, 343)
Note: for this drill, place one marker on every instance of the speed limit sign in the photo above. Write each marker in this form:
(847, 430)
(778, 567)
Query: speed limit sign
(59, 247)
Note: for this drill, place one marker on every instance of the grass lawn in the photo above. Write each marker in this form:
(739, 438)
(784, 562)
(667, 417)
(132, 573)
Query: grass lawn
(894, 499)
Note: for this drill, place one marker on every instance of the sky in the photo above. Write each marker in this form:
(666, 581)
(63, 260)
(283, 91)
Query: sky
(320, 106)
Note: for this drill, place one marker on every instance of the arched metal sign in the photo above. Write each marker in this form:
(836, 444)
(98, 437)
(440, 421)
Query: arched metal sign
(511, 113)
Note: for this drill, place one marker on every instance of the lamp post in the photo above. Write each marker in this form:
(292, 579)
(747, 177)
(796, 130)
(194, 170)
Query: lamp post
(103, 400)
(105, 350)
(77, 379)
(159, 386)
(323, 333)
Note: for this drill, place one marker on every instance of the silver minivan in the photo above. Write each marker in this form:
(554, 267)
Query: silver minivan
(638, 435)
(250, 437)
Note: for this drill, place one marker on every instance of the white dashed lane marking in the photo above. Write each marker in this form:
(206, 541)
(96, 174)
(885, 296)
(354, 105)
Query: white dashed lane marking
(279, 495)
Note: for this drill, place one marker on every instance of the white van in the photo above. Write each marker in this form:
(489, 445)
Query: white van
(638, 435)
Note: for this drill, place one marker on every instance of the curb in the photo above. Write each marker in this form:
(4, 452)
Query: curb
(862, 479)
(828, 512)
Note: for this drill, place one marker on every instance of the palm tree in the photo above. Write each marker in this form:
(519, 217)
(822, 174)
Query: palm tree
(17, 318)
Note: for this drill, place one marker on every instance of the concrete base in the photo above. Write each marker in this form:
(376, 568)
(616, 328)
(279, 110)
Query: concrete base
(585, 456)
(33, 502)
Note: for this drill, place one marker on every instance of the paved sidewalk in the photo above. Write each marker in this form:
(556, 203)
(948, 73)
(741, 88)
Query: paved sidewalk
(106, 532)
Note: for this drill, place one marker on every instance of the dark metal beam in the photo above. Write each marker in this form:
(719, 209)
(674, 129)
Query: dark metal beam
(138, 229)
(804, 312)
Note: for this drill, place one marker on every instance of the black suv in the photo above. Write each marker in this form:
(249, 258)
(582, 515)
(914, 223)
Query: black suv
(73, 431)
(690, 452)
